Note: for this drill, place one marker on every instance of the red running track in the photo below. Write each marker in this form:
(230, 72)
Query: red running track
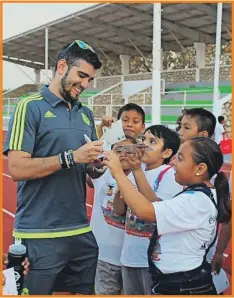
(9, 208)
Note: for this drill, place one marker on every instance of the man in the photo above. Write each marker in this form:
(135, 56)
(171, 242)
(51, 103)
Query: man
(48, 156)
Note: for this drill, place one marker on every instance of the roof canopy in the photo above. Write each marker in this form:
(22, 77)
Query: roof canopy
(119, 29)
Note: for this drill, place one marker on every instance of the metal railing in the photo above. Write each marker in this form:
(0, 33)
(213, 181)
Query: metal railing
(178, 99)
(143, 97)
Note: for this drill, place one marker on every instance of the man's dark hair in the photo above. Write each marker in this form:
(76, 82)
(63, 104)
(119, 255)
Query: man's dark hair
(74, 53)
(132, 107)
(205, 120)
(220, 119)
(169, 137)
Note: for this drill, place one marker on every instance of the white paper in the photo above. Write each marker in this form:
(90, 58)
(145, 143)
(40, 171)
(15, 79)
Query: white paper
(106, 147)
(221, 281)
(10, 284)
(114, 134)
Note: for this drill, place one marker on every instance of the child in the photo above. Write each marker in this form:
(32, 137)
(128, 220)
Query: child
(133, 120)
(219, 130)
(108, 229)
(200, 122)
(153, 183)
(197, 122)
(178, 121)
(187, 224)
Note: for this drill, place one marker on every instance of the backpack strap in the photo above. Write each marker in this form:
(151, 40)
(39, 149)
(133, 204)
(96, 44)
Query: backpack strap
(160, 176)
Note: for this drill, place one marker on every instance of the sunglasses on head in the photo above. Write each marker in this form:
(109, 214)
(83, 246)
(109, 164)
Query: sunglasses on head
(81, 44)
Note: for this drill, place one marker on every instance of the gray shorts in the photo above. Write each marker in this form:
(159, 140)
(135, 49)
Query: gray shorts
(136, 281)
(66, 264)
(108, 280)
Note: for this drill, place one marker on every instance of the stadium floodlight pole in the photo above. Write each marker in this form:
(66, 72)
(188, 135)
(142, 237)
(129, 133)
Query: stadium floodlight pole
(46, 54)
(156, 71)
(216, 92)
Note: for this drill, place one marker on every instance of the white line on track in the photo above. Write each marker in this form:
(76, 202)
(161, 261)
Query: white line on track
(8, 212)
(5, 175)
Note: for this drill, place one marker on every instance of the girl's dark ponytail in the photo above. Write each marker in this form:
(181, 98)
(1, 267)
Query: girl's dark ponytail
(223, 198)
(208, 152)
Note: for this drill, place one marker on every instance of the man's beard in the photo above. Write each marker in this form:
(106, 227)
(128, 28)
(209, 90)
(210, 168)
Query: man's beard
(67, 94)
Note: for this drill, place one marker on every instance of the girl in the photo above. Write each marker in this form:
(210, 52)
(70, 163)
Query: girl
(187, 225)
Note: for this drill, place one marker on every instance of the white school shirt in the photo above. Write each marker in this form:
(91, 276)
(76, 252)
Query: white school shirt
(107, 227)
(138, 232)
(219, 130)
(186, 227)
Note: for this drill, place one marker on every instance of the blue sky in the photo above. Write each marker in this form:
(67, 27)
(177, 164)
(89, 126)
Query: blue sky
(20, 17)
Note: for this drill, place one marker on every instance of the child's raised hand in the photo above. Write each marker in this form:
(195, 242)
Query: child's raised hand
(135, 160)
(112, 161)
(107, 121)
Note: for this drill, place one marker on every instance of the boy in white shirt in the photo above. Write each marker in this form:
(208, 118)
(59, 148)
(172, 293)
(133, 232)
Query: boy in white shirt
(156, 182)
(109, 233)
(219, 130)
(108, 229)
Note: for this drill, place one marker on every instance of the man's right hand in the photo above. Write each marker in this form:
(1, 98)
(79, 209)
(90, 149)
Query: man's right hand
(89, 152)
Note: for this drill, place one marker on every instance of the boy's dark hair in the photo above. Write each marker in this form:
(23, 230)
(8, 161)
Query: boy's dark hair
(220, 119)
(205, 120)
(132, 139)
(132, 107)
(170, 138)
(208, 152)
(74, 53)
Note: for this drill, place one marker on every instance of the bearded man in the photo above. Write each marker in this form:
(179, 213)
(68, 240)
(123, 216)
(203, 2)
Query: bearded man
(48, 157)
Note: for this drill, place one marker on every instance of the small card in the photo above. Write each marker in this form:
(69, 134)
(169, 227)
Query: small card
(131, 149)
(221, 281)
(10, 284)
(113, 134)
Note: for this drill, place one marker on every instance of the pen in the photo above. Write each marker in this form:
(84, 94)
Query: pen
(87, 139)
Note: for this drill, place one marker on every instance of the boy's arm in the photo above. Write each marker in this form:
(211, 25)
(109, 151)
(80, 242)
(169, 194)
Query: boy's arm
(223, 240)
(224, 133)
(99, 131)
(119, 204)
(106, 121)
(135, 162)
(144, 186)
